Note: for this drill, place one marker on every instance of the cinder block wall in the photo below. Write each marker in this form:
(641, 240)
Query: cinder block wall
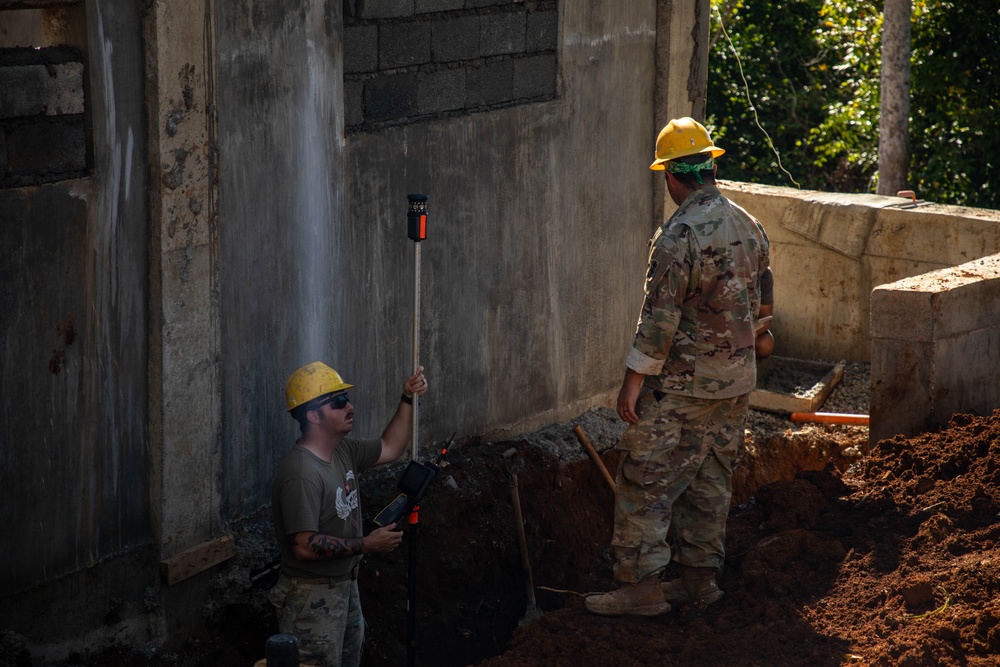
(405, 61)
(43, 135)
(935, 348)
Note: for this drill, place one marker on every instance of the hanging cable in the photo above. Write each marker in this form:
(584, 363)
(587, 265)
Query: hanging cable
(746, 89)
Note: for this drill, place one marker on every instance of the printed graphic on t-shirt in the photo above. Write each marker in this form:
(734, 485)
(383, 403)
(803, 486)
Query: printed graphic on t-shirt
(348, 499)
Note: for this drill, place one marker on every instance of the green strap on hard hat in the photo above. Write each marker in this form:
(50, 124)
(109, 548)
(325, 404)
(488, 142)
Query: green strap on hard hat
(675, 167)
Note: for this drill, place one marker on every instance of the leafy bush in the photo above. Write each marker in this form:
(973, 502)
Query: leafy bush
(812, 71)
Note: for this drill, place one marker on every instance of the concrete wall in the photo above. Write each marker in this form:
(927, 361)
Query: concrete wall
(410, 61)
(539, 217)
(539, 220)
(829, 251)
(74, 476)
(935, 348)
(43, 131)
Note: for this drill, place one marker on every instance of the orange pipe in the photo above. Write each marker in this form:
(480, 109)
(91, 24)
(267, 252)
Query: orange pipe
(830, 418)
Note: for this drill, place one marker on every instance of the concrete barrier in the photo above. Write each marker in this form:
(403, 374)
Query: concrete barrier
(830, 250)
(935, 348)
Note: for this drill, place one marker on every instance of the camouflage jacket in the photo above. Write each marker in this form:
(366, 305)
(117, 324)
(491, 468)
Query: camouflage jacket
(695, 332)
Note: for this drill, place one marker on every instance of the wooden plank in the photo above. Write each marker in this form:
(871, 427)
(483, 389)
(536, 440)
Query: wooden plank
(197, 559)
(815, 382)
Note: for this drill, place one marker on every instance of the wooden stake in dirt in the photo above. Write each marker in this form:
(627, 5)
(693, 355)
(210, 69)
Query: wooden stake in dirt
(582, 437)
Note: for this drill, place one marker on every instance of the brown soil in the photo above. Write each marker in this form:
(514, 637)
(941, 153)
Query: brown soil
(835, 556)
(894, 561)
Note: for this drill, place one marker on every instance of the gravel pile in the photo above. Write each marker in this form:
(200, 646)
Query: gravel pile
(850, 396)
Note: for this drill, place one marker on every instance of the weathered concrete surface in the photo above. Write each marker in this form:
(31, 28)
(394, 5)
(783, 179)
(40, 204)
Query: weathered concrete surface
(74, 480)
(184, 322)
(285, 274)
(829, 251)
(540, 216)
(935, 348)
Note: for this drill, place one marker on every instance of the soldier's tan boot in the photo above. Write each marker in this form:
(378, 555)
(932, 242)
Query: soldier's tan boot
(642, 599)
(696, 586)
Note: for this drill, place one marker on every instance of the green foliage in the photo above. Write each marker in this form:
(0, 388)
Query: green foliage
(812, 70)
(954, 132)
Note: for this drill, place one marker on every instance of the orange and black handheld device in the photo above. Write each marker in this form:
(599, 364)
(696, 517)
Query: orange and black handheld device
(416, 217)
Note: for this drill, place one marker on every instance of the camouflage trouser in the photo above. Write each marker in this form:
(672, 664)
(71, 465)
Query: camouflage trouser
(326, 619)
(677, 466)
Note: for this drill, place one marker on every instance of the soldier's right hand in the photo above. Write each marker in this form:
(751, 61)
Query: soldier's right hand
(383, 540)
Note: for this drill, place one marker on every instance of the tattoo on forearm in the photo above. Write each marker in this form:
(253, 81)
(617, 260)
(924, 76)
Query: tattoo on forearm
(326, 546)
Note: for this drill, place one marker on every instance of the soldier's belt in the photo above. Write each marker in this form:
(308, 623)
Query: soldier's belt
(328, 581)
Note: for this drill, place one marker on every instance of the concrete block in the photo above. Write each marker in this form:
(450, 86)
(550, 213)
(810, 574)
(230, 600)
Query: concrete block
(535, 77)
(901, 314)
(383, 9)
(443, 90)
(841, 222)
(31, 90)
(945, 235)
(390, 96)
(542, 31)
(455, 39)
(939, 304)
(935, 348)
(900, 400)
(502, 34)
(404, 44)
(433, 6)
(47, 147)
(971, 301)
(354, 108)
(360, 49)
(477, 4)
(965, 373)
(489, 84)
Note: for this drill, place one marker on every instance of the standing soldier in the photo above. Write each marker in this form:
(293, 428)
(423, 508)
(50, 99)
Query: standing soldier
(686, 389)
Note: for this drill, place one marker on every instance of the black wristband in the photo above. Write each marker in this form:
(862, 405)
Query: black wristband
(406, 399)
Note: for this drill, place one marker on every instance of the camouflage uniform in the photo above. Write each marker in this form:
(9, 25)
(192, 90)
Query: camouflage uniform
(325, 617)
(694, 344)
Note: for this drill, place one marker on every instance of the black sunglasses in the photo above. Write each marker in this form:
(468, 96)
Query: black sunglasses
(338, 402)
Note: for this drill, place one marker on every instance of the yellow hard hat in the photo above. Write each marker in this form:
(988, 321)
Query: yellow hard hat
(680, 137)
(312, 381)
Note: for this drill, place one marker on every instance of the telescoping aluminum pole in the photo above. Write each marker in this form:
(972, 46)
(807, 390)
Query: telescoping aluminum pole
(416, 229)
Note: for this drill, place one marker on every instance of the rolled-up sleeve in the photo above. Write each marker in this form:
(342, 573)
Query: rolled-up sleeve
(640, 363)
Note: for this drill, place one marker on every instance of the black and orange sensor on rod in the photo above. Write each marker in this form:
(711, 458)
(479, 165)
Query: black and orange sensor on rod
(416, 217)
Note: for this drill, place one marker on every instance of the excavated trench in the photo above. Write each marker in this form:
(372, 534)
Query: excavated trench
(471, 586)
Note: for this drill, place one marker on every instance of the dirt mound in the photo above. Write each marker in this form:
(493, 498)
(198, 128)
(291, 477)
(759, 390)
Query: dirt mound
(892, 562)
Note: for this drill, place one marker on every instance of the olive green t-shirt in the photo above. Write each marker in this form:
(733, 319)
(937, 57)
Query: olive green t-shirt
(311, 494)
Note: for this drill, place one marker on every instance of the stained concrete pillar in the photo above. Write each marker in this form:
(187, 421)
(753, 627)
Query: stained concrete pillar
(935, 348)
(184, 405)
(682, 34)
